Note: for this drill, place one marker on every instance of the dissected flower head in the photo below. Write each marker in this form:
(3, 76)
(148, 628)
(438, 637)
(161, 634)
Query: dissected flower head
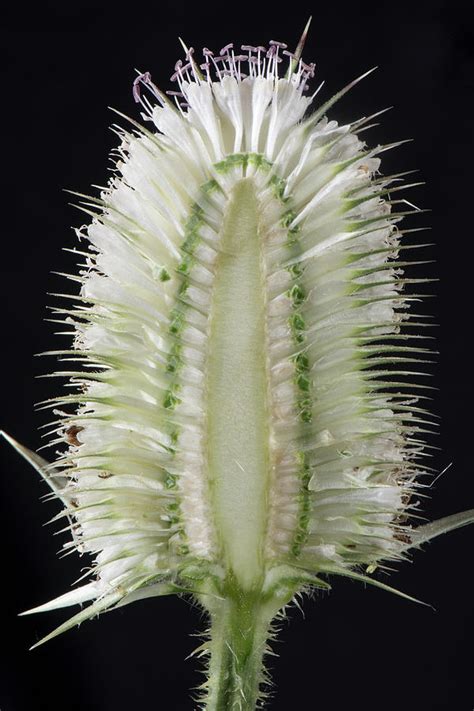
(248, 406)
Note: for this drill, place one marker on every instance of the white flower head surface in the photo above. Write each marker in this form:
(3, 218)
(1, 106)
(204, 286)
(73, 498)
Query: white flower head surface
(247, 410)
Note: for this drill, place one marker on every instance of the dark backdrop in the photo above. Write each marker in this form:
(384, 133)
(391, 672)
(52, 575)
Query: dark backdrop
(356, 649)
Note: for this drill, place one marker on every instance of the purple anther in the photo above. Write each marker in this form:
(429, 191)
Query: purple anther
(275, 43)
(207, 52)
(308, 67)
(175, 93)
(140, 79)
(225, 49)
(307, 75)
(220, 59)
(248, 48)
(189, 53)
(186, 67)
(205, 67)
(261, 49)
(271, 51)
(291, 55)
(241, 58)
(178, 65)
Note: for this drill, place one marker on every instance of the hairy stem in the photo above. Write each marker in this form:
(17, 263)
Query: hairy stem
(240, 625)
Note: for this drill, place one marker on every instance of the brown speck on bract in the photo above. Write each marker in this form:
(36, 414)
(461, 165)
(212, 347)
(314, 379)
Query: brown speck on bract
(71, 433)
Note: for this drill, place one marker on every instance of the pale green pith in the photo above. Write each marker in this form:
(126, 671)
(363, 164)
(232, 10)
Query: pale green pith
(237, 408)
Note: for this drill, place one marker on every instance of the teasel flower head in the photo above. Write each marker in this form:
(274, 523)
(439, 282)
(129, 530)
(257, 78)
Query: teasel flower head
(247, 413)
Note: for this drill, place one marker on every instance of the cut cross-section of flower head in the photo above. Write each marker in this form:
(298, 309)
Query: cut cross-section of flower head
(250, 407)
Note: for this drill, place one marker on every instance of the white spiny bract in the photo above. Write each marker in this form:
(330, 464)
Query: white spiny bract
(342, 440)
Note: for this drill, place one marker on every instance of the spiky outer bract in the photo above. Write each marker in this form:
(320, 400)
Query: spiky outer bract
(245, 416)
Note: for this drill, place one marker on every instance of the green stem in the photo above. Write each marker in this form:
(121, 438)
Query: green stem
(240, 625)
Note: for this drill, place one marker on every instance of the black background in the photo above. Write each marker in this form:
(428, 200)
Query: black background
(357, 649)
